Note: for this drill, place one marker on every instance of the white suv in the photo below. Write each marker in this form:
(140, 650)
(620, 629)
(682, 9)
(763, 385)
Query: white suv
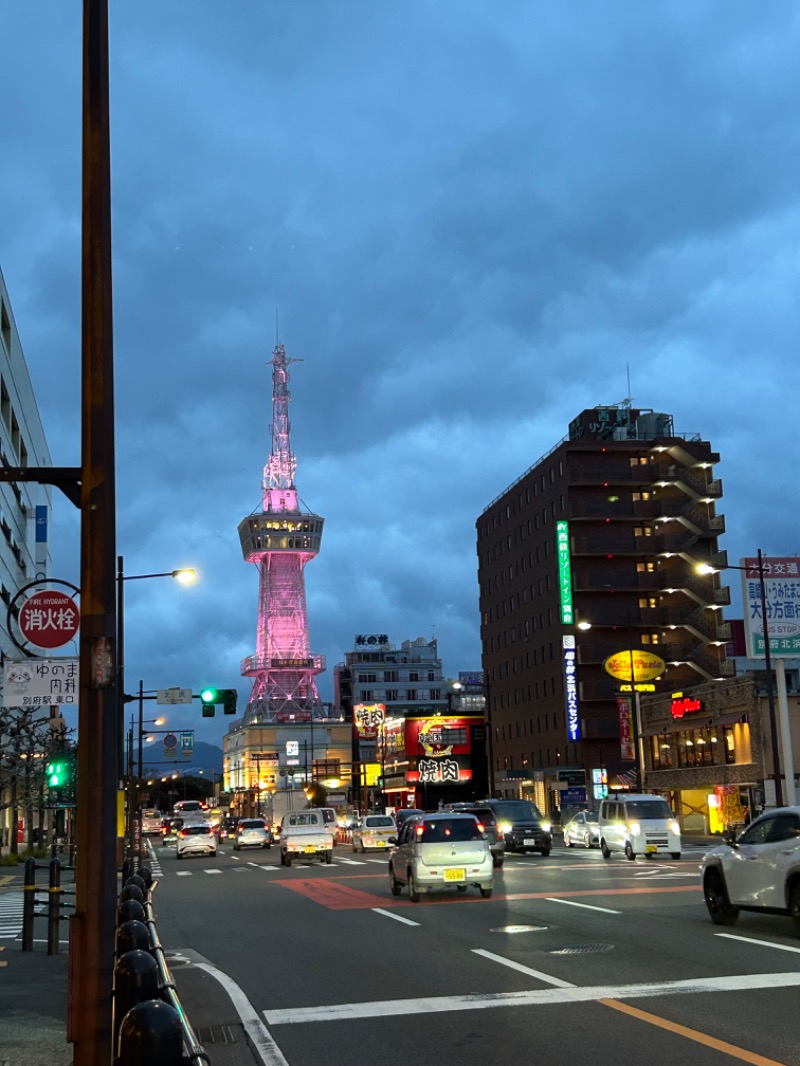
(196, 838)
(759, 871)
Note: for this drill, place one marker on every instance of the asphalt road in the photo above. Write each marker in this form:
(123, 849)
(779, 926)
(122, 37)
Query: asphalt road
(573, 960)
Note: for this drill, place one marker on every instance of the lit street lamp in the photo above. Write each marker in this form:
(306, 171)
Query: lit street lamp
(704, 568)
(184, 576)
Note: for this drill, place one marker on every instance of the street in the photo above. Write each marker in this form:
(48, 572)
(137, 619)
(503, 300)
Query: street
(574, 959)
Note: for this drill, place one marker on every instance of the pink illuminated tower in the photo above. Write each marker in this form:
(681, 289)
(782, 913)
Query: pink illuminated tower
(280, 540)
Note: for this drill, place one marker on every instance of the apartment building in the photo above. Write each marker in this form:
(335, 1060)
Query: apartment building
(589, 558)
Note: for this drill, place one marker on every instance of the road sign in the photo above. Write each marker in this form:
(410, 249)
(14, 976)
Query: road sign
(572, 777)
(168, 696)
(292, 747)
(40, 682)
(170, 746)
(49, 619)
(187, 744)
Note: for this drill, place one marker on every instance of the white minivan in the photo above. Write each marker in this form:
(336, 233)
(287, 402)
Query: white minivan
(638, 824)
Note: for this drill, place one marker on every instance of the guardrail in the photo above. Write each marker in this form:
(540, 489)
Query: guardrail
(150, 1025)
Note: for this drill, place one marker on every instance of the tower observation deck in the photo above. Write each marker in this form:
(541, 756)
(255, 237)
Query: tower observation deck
(280, 540)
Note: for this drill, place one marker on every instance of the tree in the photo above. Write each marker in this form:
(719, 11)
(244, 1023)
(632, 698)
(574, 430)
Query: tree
(27, 738)
(317, 794)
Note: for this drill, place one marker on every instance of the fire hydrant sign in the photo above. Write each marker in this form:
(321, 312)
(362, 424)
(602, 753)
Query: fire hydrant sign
(49, 619)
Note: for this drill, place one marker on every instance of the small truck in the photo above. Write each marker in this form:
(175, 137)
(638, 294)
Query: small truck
(304, 836)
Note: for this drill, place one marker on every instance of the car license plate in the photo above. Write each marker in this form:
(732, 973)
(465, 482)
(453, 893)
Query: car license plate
(308, 849)
(454, 875)
(381, 843)
(650, 849)
(528, 843)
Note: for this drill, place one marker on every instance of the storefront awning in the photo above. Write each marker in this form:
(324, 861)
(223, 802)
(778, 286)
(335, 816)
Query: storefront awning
(679, 725)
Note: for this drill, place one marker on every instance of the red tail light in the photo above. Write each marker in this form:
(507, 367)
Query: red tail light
(480, 828)
(182, 833)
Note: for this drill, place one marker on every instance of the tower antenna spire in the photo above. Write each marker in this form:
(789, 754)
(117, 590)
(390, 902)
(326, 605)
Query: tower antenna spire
(280, 540)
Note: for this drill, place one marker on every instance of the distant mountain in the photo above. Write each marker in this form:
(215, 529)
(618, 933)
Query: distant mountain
(206, 757)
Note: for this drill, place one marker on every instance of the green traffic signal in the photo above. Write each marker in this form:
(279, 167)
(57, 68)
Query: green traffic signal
(55, 774)
(211, 696)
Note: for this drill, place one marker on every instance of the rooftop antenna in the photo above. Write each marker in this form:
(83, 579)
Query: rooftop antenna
(277, 331)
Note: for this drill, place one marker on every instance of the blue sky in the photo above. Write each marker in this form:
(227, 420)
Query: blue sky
(471, 219)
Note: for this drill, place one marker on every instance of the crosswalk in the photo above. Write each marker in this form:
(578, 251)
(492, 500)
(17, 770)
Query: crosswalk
(10, 915)
(250, 867)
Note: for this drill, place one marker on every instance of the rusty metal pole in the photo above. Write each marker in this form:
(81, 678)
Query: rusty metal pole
(92, 929)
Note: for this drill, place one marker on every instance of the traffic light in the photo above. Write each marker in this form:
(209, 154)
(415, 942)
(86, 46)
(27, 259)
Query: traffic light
(209, 697)
(380, 782)
(56, 773)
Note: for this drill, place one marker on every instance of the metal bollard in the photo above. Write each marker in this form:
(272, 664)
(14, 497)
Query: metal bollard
(146, 875)
(151, 1034)
(28, 904)
(135, 980)
(54, 907)
(132, 892)
(130, 910)
(132, 935)
(135, 879)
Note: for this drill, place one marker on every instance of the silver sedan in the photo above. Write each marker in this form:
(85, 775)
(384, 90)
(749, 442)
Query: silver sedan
(582, 829)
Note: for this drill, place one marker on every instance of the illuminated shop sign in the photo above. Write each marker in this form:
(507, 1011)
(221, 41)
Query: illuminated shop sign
(682, 705)
(440, 771)
(571, 687)
(368, 719)
(564, 573)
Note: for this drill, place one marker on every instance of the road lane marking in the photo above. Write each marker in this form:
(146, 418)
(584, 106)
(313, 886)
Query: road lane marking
(540, 997)
(586, 906)
(260, 1037)
(211, 871)
(183, 873)
(397, 917)
(763, 943)
(546, 978)
(8, 877)
(691, 1034)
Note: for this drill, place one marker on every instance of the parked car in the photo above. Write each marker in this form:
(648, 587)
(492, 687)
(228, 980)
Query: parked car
(757, 871)
(443, 850)
(638, 823)
(374, 831)
(582, 829)
(522, 825)
(491, 827)
(252, 833)
(196, 838)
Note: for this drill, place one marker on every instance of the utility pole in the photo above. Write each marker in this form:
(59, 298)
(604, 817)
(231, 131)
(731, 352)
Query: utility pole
(92, 926)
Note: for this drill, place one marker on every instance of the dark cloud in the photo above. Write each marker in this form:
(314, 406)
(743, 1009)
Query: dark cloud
(471, 226)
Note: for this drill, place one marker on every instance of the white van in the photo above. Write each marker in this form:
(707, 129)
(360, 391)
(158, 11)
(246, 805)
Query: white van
(638, 824)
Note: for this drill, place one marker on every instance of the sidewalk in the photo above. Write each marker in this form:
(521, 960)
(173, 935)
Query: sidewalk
(33, 1006)
(33, 1009)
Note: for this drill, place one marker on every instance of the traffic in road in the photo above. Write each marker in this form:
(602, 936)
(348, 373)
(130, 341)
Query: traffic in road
(574, 959)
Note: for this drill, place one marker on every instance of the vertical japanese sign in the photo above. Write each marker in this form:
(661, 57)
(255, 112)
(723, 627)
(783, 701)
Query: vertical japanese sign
(564, 573)
(782, 595)
(571, 687)
(626, 748)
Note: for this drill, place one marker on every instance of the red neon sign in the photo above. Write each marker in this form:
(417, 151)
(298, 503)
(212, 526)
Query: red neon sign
(680, 707)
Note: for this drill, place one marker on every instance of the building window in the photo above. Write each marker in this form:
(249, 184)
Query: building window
(648, 601)
(642, 531)
(645, 568)
(695, 748)
(651, 638)
(411, 694)
(641, 497)
(660, 753)
(391, 695)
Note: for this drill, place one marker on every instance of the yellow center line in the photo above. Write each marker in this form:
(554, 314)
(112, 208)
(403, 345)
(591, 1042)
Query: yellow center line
(690, 1034)
(8, 877)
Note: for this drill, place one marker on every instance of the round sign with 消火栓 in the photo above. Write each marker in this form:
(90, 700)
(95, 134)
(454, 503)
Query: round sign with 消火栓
(49, 619)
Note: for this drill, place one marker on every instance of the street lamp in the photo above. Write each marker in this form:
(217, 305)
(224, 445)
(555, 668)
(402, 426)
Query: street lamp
(184, 576)
(704, 568)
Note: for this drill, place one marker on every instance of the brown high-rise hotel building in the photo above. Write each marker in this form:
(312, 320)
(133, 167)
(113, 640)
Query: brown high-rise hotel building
(605, 531)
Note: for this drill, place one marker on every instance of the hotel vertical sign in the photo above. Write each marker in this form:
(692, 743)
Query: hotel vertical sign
(564, 573)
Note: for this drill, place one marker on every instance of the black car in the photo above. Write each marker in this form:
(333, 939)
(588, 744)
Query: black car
(522, 825)
(403, 813)
(488, 819)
